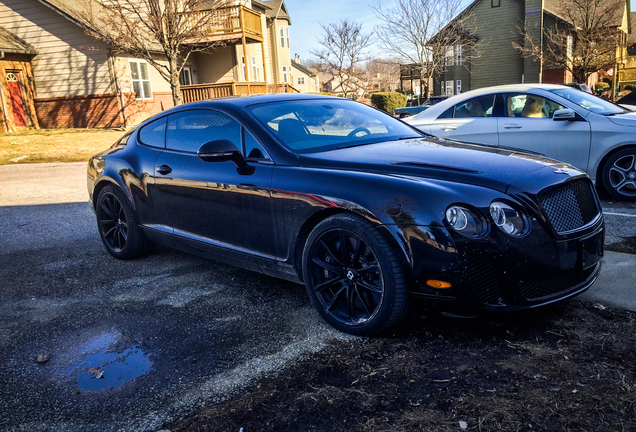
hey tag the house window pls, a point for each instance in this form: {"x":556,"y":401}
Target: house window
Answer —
{"x":450,"y":57}
{"x":449,"y":87}
{"x":287,"y":35}
{"x":282,"y":37}
{"x":256,"y":70}
{"x":140,"y":79}
{"x":243,"y":68}
{"x":301,"y":80}
{"x":285,"y":74}
{"x":185,"y":77}
{"x":458,"y":52}
{"x":495,"y":3}
{"x":459,"y":86}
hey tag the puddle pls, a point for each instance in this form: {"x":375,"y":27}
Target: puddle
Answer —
{"x":101,"y":368}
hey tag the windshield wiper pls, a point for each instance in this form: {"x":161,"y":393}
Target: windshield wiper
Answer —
{"x":613,"y":114}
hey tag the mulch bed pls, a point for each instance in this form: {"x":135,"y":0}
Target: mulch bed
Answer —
{"x":567,"y":368}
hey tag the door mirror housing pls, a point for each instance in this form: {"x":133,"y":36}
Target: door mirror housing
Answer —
{"x":222,"y":151}
{"x":565,"y":114}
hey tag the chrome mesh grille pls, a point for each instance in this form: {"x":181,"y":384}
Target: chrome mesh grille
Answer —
{"x":570,"y":206}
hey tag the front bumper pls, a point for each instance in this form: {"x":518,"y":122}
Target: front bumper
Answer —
{"x":501,"y":273}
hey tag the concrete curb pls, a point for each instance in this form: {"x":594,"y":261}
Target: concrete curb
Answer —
{"x":616,"y":285}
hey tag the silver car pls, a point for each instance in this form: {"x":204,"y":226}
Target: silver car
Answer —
{"x":560,"y":122}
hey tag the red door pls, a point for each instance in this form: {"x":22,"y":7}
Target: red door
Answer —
{"x":19,"y":115}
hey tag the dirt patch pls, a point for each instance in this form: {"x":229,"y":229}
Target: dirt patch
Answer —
{"x":567,"y":368}
{"x":55,"y":145}
{"x":628,"y":245}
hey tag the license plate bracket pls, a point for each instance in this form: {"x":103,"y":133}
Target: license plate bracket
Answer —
{"x":590,"y":250}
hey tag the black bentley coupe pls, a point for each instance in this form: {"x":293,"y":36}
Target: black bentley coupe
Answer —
{"x":364,"y":210}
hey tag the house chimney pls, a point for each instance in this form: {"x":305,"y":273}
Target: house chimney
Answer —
{"x":297,"y":59}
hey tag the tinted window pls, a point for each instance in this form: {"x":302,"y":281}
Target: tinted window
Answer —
{"x":189,"y":130}
{"x":253,"y":149}
{"x":154,"y":133}
{"x":529,"y":106}
{"x":476,"y":107}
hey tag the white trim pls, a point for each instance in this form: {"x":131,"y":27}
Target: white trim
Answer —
{"x":140,"y":79}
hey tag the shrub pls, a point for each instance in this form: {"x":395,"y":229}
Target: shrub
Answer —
{"x":600,"y":86}
{"x":630,"y":87}
{"x":388,"y":101}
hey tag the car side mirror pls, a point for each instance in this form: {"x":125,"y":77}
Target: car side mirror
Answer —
{"x":222,"y":151}
{"x":565,"y":114}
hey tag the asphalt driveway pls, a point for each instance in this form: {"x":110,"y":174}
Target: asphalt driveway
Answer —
{"x":136,"y":345}
{"x":131,"y":345}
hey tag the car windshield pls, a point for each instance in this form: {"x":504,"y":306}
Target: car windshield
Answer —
{"x":315,"y":125}
{"x":588,"y":101}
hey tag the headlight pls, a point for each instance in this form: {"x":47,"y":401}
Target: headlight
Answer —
{"x":467,"y":222}
{"x":509,"y":220}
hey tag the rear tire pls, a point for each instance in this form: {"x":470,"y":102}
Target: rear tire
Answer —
{"x":619,"y":175}
{"x":118,"y":225}
{"x":405,"y":115}
{"x":353,"y":276}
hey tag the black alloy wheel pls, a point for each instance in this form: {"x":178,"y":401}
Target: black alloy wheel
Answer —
{"x":118,"y":226}
{"x":619,"y":175}
{"x":353,"y":276}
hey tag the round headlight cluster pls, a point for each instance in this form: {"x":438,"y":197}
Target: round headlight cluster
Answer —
{"x":509,"y":220}
{"x":465,"y":221}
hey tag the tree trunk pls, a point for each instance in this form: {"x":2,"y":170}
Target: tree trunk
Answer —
{"x":175,"y":85}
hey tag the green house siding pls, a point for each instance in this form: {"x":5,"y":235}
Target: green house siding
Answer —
{"x":497,"y":61}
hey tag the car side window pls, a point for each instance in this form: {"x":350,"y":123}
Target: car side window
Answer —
{"x":252,"y":148}
{"x":529,"y":106}
{"x":189,"y":130}
{"x":154,"y":133}
{"x":481,"y":106}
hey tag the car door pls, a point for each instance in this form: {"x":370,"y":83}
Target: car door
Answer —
{"x":211,"y":202}
{"x":471,"y":121}
{"x":527,"y":124}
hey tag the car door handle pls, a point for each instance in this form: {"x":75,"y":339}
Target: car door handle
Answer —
{"x":449,"y":128}
{"x":164,"y":169}
{"x":512,"y":126}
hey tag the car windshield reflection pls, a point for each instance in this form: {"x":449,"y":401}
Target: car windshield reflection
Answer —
{"x":588,"y":101}
{"x":309,"y":126}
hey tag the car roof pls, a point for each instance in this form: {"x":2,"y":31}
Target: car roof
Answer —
{"x":244,"y":101}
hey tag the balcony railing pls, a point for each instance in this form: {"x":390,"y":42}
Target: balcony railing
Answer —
{"x":281,"y":88}
{"x":226,"y":23}
{"x":198,"y":92}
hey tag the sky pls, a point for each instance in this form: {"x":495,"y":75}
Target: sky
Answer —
{"x":306,"y":17}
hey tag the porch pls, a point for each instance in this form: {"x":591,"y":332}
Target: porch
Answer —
{"x":199,"y":92}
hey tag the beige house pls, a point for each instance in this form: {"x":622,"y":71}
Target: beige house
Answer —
{"x":305,"y":80}
{"x":79,"y":81}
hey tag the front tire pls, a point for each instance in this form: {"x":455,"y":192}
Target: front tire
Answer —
{"x":118,"y":226}
{"x":353,"y":276}
{"x":619,"y":175}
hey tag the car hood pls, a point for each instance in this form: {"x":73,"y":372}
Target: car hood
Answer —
{"x":627,"y":119}
{"x":434,"y":158}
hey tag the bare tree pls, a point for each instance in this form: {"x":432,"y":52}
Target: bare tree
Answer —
{"x":344,"y":48}
{"x":162,"y":32}
{"x":583,"y":39}
{"x":419,"y":31}
{"x":385,"y":72}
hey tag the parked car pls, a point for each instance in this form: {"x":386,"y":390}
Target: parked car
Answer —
{"x":575,"y":127}
{"x":411,"y":110}
{"x":366,"y":211}
{"x":628,"y":101}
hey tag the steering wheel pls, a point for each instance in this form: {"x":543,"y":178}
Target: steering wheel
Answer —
{"x":358,"y":130}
